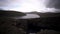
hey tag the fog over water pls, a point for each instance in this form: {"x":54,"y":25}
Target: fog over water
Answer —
{"x":27,"y":5}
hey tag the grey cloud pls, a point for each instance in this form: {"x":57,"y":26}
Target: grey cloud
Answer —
{"x":4,"y":2}
{"x":54,"y":4}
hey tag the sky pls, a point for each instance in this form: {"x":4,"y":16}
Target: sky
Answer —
{"x":54,"y":4}
{"x":28,"y":5}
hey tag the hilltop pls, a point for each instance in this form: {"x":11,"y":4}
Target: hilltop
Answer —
{"x":9,"y":13}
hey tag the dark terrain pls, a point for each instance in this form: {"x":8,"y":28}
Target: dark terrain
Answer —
{"x":47,"y":21}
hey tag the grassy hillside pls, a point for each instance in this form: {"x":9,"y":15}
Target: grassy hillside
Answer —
{"x":9,"y":13}
{"x":7,"y":25}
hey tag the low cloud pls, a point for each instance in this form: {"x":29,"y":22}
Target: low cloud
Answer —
{"x":54,"y":4}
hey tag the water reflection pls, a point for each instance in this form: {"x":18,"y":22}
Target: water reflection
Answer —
{"x":28,"y":16}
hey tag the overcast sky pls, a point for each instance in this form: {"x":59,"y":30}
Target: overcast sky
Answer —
{"x":54,"y":4}
{"x":29,"y":5}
